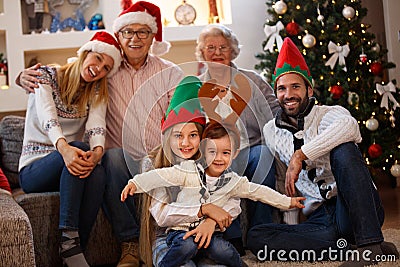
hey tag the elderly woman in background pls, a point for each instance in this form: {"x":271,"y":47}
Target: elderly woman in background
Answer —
{"x":218,"y":46}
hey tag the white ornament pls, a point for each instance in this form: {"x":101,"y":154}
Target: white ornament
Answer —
{"x":395,"y":170}
{"x":320,"y":18}
{"x":272,"y":33}
{"x":386,"y":92}
{"x":280,"y":7}
{"x":339,"y":52}
{"x":372,"y":124}
{"x":353,"y":98}
{"x":376,"y":48}
{"x":308,"y":40}
{"x":348,"y":12}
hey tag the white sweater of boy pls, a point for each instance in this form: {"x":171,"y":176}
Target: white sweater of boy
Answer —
{"x":186,"y":175}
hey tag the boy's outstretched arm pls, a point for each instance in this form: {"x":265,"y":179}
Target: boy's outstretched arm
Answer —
{"x":295,"y":202}
{"x":130,"y":189}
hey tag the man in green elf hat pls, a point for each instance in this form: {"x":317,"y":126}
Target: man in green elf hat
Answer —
{"x":318,"y":144}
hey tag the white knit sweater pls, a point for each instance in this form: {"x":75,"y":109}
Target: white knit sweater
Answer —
{"x":48,"y":119}
{"x":325,"y":127}
{"x":186,"y":176}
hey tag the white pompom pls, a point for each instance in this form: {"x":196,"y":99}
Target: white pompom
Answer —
{"x":160,"y":48}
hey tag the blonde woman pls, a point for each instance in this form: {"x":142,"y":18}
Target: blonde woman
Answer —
{"x":69,"y":103}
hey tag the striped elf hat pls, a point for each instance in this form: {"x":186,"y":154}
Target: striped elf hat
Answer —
{"x":185,"y":105}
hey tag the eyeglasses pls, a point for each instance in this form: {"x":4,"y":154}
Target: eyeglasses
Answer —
{"x":222,"y":48}
{"x":141,"y":34}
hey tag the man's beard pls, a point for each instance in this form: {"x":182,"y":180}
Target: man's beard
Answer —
{"x":303,"y":102}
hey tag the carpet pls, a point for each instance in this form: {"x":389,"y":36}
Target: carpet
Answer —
{"x":391,"y":235}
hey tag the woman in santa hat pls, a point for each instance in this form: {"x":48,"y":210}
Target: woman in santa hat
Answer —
{"x":69,"y":104}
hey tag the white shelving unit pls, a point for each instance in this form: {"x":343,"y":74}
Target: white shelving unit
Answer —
{"x":20,"y":48}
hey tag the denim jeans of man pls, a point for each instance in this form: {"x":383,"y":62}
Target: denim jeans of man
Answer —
{"x":356,"y":214}
{"x":120,"y":167}
{"x":182,"y":251}
{"x":80,"y":199}
{"x":257,"y":164}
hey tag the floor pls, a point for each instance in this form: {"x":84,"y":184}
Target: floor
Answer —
{"x":391,"y":202}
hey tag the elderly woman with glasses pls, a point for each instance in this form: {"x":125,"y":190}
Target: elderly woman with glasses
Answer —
{"x":217,"y":47}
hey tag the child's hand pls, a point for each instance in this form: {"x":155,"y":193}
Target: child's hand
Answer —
{"x":130,"y":189}
{"x":295,"y":202}
{"x":202,"y":233}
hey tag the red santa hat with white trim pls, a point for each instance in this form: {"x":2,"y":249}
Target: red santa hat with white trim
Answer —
{"x":104,"y":42}
{"x":143,"y":12}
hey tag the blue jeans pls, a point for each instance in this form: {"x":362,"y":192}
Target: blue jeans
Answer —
{"x":80,"y":199}
{"x":356,"y":214}
{"x":257,"y":164}
{"x":160,"y":249}
{"x":120,"y":167}
{"x":182,"y":251}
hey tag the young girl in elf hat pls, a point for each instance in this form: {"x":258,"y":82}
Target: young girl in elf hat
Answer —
{"x":182,"y":128}
{"x":70,"y":102}
{"x":215,"y":184}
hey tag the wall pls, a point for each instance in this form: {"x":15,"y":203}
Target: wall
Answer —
{"x":248,"y":19}
{"x":247,"y":16}
{"x":392,"y":25}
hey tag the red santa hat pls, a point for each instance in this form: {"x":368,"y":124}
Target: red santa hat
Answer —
{"x":103,"y":42}
{"x":143,"y":12}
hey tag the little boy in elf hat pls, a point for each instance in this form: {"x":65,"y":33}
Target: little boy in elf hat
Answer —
{"x":210,"y":182}
{"x":318,"y":144}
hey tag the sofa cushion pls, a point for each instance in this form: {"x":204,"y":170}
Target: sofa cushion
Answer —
{"x":16,"y":241}
{"x":11,"y":137}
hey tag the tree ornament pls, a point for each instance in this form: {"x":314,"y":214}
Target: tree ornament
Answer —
{"x":348,"y":12}
{"x":272,"y":33}
{"x":395,"y":170}
{"x":375,"y":151}
{"x":320,"y":18}
{"x":376,"y":48}
{"x":292,"y":28}
{"x":392,"y":119}
{"x":372,"y":124}
{"x":96,"y":22}
{"x":339,"y":52}
{"x":336,"y":91}
{"x":376,"y":68}
{"x":386,"y":92}
{"x":363,"y":56}
{"x":353,"y":99}
{"x":280,"y":7}
{"x":309,"y":41}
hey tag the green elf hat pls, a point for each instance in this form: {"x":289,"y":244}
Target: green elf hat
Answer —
{"x":290,"y":60}
{"x":185,"y":105}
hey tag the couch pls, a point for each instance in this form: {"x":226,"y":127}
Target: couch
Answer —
{"x":29,"y":233}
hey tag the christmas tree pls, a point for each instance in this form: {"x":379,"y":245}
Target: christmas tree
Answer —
{"x":348,"y":67}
